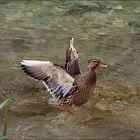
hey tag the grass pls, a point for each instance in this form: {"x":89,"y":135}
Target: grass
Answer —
{"x":20,"y":130}
{"x":4,"y":108}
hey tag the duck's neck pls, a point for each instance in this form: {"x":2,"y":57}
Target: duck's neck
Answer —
{"x":76,"y":66}
{"x":90,"y":76}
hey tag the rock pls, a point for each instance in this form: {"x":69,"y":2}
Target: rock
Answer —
{"x":118,"y":7}
{"x":134,"y":24}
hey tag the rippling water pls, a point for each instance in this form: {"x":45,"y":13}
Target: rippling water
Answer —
{"x":108,"y":30}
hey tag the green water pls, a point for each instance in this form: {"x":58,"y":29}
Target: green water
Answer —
{"x":108,"y":30}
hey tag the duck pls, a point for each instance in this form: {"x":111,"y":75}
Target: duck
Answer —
{"x":67,"y":85}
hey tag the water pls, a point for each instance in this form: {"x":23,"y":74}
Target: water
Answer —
{"x":41,"y":30}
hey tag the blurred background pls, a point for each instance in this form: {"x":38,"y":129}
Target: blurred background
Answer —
{"x":41,"y":30}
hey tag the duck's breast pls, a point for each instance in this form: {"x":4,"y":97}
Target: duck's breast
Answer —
{"x":85,"y":88}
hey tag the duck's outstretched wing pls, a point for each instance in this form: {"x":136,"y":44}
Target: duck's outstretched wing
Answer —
{"x":72,"y":62}
{"x":55,"y":78}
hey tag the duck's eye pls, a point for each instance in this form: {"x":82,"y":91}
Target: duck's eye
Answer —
{"x":97,"y":64}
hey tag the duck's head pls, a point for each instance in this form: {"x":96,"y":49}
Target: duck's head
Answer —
{"x":94,"y":63}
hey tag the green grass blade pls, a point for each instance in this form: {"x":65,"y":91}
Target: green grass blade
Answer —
{"x":4,"y":103}
{"x":5,"y":109}
{"x":29,"y":127}
{"x":3,"y":137}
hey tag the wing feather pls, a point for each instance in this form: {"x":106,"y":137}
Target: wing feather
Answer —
{"x":55,"y":78}
{"x":72,"y":60}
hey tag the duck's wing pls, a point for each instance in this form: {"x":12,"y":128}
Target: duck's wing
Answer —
{"x":55,"y":78}
{"x":72,"y":60}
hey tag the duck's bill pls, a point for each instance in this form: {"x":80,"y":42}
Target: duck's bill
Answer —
{"x":103,"y":65}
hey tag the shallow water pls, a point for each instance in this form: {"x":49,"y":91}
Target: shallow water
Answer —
{"x":41,"y":30}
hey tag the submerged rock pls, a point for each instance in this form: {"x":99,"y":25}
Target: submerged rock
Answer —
{"x":135,"y":23}
{"x":81,"y":9}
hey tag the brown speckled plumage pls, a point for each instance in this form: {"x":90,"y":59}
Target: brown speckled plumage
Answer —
{"x":68,"y":86}
{"x":83,"y":88}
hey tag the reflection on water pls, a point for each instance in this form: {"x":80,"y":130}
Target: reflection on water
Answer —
{"x":41,"y":30}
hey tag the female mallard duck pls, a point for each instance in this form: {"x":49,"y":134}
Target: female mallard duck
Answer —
{"x":67,"y":85}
